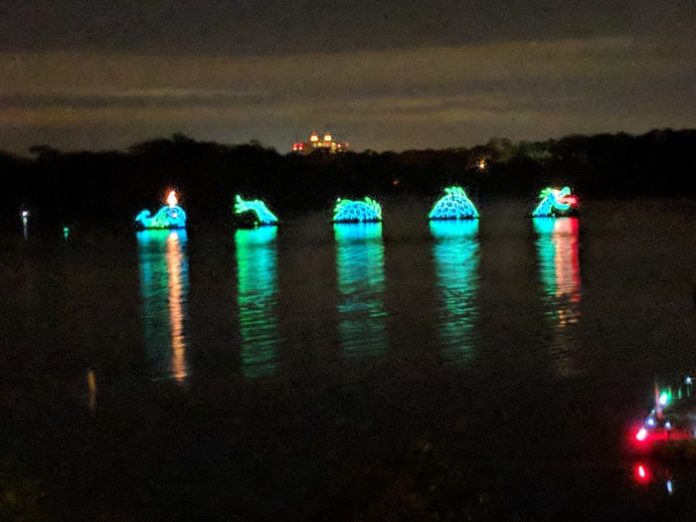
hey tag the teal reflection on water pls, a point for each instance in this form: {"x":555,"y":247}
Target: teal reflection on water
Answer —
{"x":361,"y":282}
{"x":164,"y":287}
{"x":456,"y":255}
{"x":558,"y":255}
{"x":257,"y":295}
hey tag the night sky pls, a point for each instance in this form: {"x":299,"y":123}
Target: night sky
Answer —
{"x":390,"y":74}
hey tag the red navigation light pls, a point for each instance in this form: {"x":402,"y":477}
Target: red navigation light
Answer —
{"x":642,"y":474}
{"x":642,"y":435}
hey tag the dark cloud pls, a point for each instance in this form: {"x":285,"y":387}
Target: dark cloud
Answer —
{"x":282,"y":27}
{"x":382,"y":74}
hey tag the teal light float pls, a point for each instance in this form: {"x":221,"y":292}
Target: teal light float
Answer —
{"x":556,"y":202}
{"x":355,"y":211}
{"x":455,"y":204}
{"x":169,"y":216}
{"x":256,"y":209}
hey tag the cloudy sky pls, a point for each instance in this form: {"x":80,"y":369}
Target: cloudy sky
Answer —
{"x":383,"y":74}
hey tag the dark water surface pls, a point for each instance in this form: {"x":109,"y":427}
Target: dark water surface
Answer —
{"x":402,"y":371}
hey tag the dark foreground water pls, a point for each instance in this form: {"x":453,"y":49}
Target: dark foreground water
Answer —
{"x":402,"y":371}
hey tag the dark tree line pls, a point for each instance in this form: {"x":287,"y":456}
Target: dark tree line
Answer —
{"x":112,"y":186}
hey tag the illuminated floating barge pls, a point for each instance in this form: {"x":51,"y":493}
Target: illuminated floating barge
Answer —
{"x":356,"y":211}
{"x":556,"y":202}
{"x":454,"y":205}
{"x":253,"y":212}
{"x":169,"y":216}
{"x":671,"y":422}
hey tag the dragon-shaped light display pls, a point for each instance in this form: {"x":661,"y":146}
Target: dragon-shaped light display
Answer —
{"x":263,"y":216}
{"x":353,"y":211}
{"x":169,"y":216}
{"x":455,"y":204}
{"x":555,"y":202}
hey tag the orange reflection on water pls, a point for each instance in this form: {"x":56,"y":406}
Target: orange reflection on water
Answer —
{"x":164,"y":288}
{"x":176,"y":313}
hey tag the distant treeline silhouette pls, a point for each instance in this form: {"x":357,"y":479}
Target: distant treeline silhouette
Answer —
{"x":113,"y":186}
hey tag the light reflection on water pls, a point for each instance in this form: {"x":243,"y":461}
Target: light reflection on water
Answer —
{"x":361,"y":282}
{"x":456,"y":254}
{"x":559,"y":265}
{"x":257,"y":295}
{"x":164,"y":286}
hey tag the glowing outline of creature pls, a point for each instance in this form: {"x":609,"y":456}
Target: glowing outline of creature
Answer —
{"x":455,"y":204}
{"x":354,"y":211}
{"x":264,"y":216}
{"x":554,"y":202}
{"x":169,"y":216}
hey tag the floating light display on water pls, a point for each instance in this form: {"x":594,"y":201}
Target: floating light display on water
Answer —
{"x":353,"y":211}
{"x":455,"y":204}
{"x":258,"y":208}
{"x":169,"y":216}
{"x":555,"y":202}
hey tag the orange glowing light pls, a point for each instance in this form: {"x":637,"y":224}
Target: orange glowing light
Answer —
{"x":171,"y":199}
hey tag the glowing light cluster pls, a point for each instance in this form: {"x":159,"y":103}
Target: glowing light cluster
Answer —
{"x":353,"y":211}
{"x":666,"y":422}
{"x":315,"y":142}
{"x":555,"y":202}
{"x":257,"y":207}
{"x":169,"y":216}
{"x":455,"y":204}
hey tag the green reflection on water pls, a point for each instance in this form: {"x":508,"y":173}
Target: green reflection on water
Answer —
{"x":164,"y":287}
{"x":456,"y":254}
{"x":559,"y":269}
{"x":257,"y":294}
{"x":360,"y":270}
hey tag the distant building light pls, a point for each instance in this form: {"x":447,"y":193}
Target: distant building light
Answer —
{"x":315,"y":142}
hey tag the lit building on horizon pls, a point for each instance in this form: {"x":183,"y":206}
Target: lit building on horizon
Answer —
{"x":315,"y":142}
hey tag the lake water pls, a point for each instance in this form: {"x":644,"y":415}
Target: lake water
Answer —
{"x":402,"y":370}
